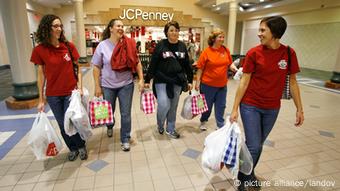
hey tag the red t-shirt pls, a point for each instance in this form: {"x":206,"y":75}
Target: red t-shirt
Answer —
{"x":214,"y":64}
{"x":269,"y":69}
{"x":58,"y":68}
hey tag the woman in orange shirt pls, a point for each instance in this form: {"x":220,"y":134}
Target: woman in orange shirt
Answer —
{"x":211,"y":77}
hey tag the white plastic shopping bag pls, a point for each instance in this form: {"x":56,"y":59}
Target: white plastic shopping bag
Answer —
{"x":246,"y":160}
{"x":186,"y":109}
{"x":214,"y":149}
{"x":76,"y":118}
{"x":232,"y":148}
{"x":43,"y":139}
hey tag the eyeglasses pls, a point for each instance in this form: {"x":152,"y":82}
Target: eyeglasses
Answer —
{"x":57,"y":26}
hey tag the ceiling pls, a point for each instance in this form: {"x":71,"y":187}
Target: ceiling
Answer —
{"x":245,"y":6}
{"x":53,"y":3}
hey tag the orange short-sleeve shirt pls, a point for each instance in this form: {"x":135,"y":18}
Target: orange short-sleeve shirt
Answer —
{"x":214,"y":64}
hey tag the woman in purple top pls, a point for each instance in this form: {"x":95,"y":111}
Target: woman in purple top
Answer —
{"x":112,"y":84}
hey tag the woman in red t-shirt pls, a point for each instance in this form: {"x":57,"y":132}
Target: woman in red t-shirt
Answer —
{"x":260,"y":90}
{"x":54,"y":56}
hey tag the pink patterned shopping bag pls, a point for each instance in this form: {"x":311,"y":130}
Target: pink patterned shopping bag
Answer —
{"x":199,"y":104}
{"x":147,"y":102}
{"x":100,"y":112}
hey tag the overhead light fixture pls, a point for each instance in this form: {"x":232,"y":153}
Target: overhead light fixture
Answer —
{"x":218,"y":8}
{"x":213,"y":5}
{"x":267,"y":6}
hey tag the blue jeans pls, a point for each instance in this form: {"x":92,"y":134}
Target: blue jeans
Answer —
{"x":59,"y":105}
{"x":124,"y":95}
{"x":257,"y":125}
{"x":217,"y":97}
{"x":167,"y":107}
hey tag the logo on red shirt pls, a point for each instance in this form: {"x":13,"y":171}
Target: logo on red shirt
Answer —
{"x":67,"y":57}
{"x":282,"y":64}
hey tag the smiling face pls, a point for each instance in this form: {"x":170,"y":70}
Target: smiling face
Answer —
{"x":219,"y":40}
{"x":173,"y":34}
{"x":57,"y":28}
{"x":117,"y":30}
{"x":265,"y":35}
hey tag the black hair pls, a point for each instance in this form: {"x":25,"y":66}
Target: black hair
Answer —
{"x":276,"y":24}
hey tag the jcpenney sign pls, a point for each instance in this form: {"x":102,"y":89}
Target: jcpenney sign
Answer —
{"x":134,"y":14}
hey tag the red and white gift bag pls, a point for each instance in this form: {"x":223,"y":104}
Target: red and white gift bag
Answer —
{"x":147,"y":102}
{"x":100,"y":112}
{"x":199,"y":104}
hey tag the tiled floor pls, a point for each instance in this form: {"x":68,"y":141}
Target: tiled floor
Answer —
{"x":309,"y":155}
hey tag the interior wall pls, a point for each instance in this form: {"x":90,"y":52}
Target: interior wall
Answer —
{"x":4,"y":60}
{"x":314,"y":35}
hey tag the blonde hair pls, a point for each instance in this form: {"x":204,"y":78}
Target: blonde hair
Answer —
{"x":213,"y":35}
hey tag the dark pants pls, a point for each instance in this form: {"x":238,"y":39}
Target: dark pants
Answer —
{"x":59,"y":105}
{"x":257,"y":125}
{"x":217,"y":97}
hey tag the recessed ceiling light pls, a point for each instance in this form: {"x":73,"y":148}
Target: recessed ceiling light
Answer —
{"x":213,"y":5}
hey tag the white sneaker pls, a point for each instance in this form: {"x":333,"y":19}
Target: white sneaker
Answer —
{"x":125,"y":147}
{"x":203,"y":126}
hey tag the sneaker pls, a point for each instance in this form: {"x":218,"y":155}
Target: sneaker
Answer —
{"x":160,"y":130}
{"x":72,"y":156}
{"x":83,"y":153}
{"x":173,"y":134}
{"x":203,"y":126}
{"x":109,"y":132}
{"x":125,"y":147}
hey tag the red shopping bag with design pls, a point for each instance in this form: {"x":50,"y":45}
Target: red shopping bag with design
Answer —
{"x":100,"y":112}
{"x":147,"y":101}
{"x":199,"y":104}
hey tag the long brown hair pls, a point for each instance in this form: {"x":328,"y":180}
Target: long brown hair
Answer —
{"x":43,"y":34}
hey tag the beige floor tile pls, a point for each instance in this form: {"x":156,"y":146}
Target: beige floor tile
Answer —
{"x":84,"y":183}
{"x":192,"y":168}
{"x":141,"y":176}
{"x":110,"y":188}
{"x":36,"y":166}
{"x":181,"y":182}
{"x":29,"y":177}
{"x":177,"y":170}
{"x":10,"y":180}
{"x":123,"y":178}
{"x":64,"y":185}
{"x":6,"y":188}
{"x":84,"y":171}
{"x":46,"y":186}
{"x":103,"y":181}
{"x":163,"y":185}
{"x":50,"y":175}
{"x":159,"y":173}
{"x":123,"y":167}
{"x":67,"y":173}
{"x":144,"y":186}
{"x":199,"y":179}
{"x":23,"y":187}
{"x":208,"y":187}
{"x":107,"y":170}
{"x":4,"y":169}
{"x":123,"y":187}
{"x":18,"y":168}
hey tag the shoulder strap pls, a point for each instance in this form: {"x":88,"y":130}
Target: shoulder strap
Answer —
{"x":75,"y":67}
{"x":289,"y":57}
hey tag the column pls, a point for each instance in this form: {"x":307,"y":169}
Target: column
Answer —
{"x":80,"y":30}
{"x":233,"y":7}
{"x":16,"y":28}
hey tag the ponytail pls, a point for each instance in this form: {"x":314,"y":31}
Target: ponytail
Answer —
{"x":106,"y":34}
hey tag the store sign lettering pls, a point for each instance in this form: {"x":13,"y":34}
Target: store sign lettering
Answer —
{"x":134,"y":14}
